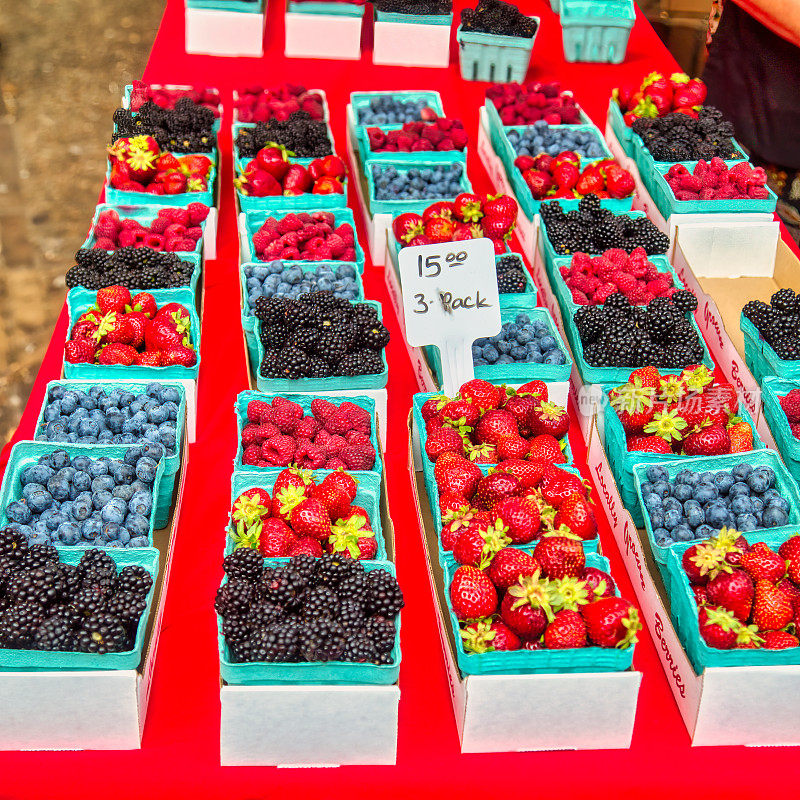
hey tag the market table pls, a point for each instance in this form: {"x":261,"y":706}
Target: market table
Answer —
{"x":180,"y":751}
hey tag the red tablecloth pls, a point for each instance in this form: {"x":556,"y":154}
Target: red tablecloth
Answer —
{"x":180,"y":752}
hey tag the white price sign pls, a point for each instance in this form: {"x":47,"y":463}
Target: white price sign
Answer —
{"x":450,"y":298}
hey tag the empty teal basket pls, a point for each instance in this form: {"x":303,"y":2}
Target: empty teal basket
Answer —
{"x":489,"y":57}
{"x":596,"y":31}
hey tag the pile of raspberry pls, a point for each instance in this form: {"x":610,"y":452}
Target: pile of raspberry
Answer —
{"x":305,"y":237}
{"x":442,"y":135}
{"x":593,"y":279}
{"x":174,"y":230}
{"x":279,"y":433}
{"x":712,"y":180}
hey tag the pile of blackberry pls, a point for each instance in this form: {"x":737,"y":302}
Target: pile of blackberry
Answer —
{"x":414,"y":6}
{"x":660,"y":334}
{"x":678,"y":137}
{"x":499,"y":18}
{"x":319,"y":335}
{"x":592,"y":229}
{"x":307,"y":609}
{"x":778,"y":322}
{"x":510,"y":275}
{"x":87,"y":607}
{"x":300,"y":134}
{"x":186,"y":128}
{"x":134,"y":267}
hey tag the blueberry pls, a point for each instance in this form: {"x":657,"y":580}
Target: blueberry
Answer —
{"x":68,"y":534}
{"x":82,"y":506}
{"x":682,"y":533}
{"x":652,"y":500}
{"x":51,"y":518}
{"x":761,"y":479}
{"x":110,"y":531}
{"x":688,"y":476}
{"x":114,"y":511}
{"x":115,"y":419}
{"x":38,"y":536}
{"x":58,"y":488}
{"x":774,"y":517}
{"x":723,"y":481}
{"x":102,"y":483}
{"x":746,"y":522}
{"x":38,"y":473}
{"x":716,"y":515}
{"x":99,"y":499}
{"x":662,"y":488}
{"x":656,"y":473}
{"x":739,"y":488}
{"x":40,"y":501}
{"x":705,"y":492}
{"x":672,"y":504}
{"x":662,"y":537}
{"x":490,"y":354}
{"x":693,"y":511}
{"x":707,"y":477}
{"x":555,"y":356}
{"x":741,"y":504}
{"x":672,"y":518}
{"x":137,"y":524}
{"x":757,"y":504}
{"x":97,"y":467}
{"x":656,"y":516}
{"x":141,"y":503}
{"x":780,"y":503}
{"x":682,"y":492}
{"x":132,"y":455}
{"x":19,"y":511}
{"x":704,"y":532}
{"x":123,"y":473}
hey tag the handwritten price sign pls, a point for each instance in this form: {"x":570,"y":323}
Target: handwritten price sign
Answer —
{"x":450,"y":299}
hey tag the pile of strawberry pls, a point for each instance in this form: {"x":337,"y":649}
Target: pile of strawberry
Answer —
{"x":525,"y":103}
{"x":279,"y":433}
{"x":689,"y":414}
{"x":260,"y":104}
{"x":174,"y":230}
{"x":560,"y":176}
{"x":131,"y":330}
{"x":547,"y":600}
{"x":271,"y":173}
{"x":165,"y":97}
{"x":443,"y":134}
{"x":747,"y":595}
{"x":593,"y":279}
{"x":790,"y":403}
{"x":713,"y":180}
{"x":304,"y":517}
{"x":305,"y":237}
{"x":659,"y":95}
{"x":469,"y":216}
{"x":487,"y":424}
{"x":139,"y":165}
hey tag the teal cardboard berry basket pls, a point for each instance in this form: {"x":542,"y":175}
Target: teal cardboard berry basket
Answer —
{"x":536,"y":662}
{"x":596,"y":31}
{"x":368,"y":496}
{"x":253,"y":221}
{"x":397,"y":206}
{"x":490,"y":57}
{"x":249,"y":321}
{"x":647,"y":164}
{"x":80,"y":300}
{"x":47,"y":660}
{"x":245,"y":398}
{"x":656,"y":184}
{"x":315,"y":672}
{"x":240,"y":161}
{"x":622,"y":461}
{"x":128,"y":91}
{"x":784,"y":484}
{"x":331,"y":9}
{"x":172,"y":463}
{"x":761,"y":359}
{"x":415,"y":19}
{"x":622,"y":131}
{"x":243,"y":6}
{"x":308,"y":201}
{"x":684,"y":613}
{"x":772,"y":389}
{"x":362,"y":100}
{"x":368,"y":155}
{"x":520,"y":372}
{"x":26,"y":454}
{"x":330,"y":384}
{"x":120,"y":197}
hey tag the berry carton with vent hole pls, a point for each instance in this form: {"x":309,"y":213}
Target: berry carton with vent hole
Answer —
{"x":776,"y":410}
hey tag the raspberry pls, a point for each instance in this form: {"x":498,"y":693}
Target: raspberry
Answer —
{"x":335,"y":463}
{"x":359,"y":417}
{"x":195,"y":234}
{"x":251,"y":455}
{"x":334,"y":445}
{"x":249,"y":435}
{"x":603,"y":293}
{"x":306,"y":428}
{"x":197,"y":213}
{"x":104,"y":243}
{"x":184,"y":245}
{"x":279,"y":450}
{"x":683,"y":195}
{"x":357,"y":437}
{"x":624,"y":281}
{"x":261,"y":241}
{"x":322,"y":408}
{"x":618,"y":256}
{"x":339,"y":422}
{"x":291,"y":222}
{"x":359,"y":456}
{"x":266,"y":430}
{"x":689,"y":183}
{"x":579,"y":298}
{"x":310,"y":456}
{"x":758,"y":192}
{"x":259,"y":411}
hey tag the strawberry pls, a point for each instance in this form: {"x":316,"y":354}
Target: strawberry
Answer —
{"x":649,"y":444}
{"x":335,"y":499}
{"x":440,"y":229}
{"x":459,"y":414}
{"x":569,"y":593}
{"x":484,"y":636}
{"x":549,"y":418}
{"x":460,"y":478}
{"x":790,"y":549}
{"x":522,"y":406}
{"x":520,"y":517}
{"x":347,"y":483}
{"x":703,"y":561}
{"x":503,"y":207}
{"x":298,"y":478}
{"x":560,"y":555}
{"x":557,"y":485}
{"x":741,"y":435}
{"x":567,"y":630}
{"x":149,"y":358}
{"x":285,"y":500}
{"x":772,"y":608}
{"x":477,"y":545}
{"x":432,"y":406}
{"x":619,"y":182}
{"x":137,"y":323}
{"x":611,"y":622}
{"x":442,"y":441}
{"x":472,"y":594}
{"x":482,"y":394}
{"x":458,"y":522}
{"x":529,"y":473}
{"x":779,"y":640}
{"x":468,"y":207}
{"x":116,"y":353}
{"x":509,"y":565}
{"x":576,"y":515}
{"x":79,"y":351}
{"x":514,"y":448}
{"x":494,"y":488}
{"x":482,"y":453}
{"x":145,"y":303}
{"x":307,"y":546}
{"x":634,"y":404}
{"x":710,"y":440}
{"x":668,"y":425}
{"x":251,"y":506}
{"x":353,"y":538}
{"x":598,"y":583}
{"x":310,"y":517}
{"x":276,"y":538}
{"x":525,"y":607}
{"x":733,"y":591}
{"x":495,"y":425}
{"x":718,"y":627}
{"x":720,"y":401}
{"x":536,"y":388}
{"x":547,"y":448}
{"x":760,"y":562}
{"x":113,"y":298}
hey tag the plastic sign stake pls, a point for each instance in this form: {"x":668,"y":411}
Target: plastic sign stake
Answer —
{"x":450,"y":298}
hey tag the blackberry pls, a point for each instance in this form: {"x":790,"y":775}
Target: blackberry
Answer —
{"x":375,"y":337}
{"x":292,"y":363}
{"x":233,"y":597}
{"x":71,"y":576}
{"x":237,"y":631}
{"x":354,"y":586}
{"x":318,"y":367}
{"x":8,"y":566}
{"x":304,"y":136}
{"x":360,"y":362}
{"x":275,"y":642}
{"x":303,"y":338}
{"x":269,"y":364}
{"x":385,"y":658}
{"x":102,"y":633}
{"x":333,"y":569}
{"x":321,"y":601}
{"x":87,"y":602}
{"x":785,"y":301}
{"x":511,"y":281}
{"x":274,"y":335}
{"x":384,"y":596}
{"x":185,"y":128}
{"x":359,"y":649}
{"x":332,"y":345}
{"x":281,"y":586}
{"x":55,"y":633}
{"x":97,"y":559}
{"x":321,"y":639}
{"x":304,"y":566}
{"x":12,"y":543}
{"x":243,"y":562}
{"x":134,"y":578}
{"x":270,"y":309}
{"x":364,"y":315}
{"x":18,"y":625}
{"x":263,"y":612}
{"x":619,"y":302}
{"x":684,"y":301}
{"x":381,"y":632}
{"x":37,"y":555}
{"x":128,"y":607}
{"x":351,"y":615}
{"x":100,"y":578}
{"x":139,"y":267}
{"x":43,"y":585}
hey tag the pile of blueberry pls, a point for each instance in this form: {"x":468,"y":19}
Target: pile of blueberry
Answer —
{"x":520,"y":341}
{"x":697,"y":505}
{"x":116,"y":417}
{"x":282,"y":279}
{"x":541,"y":138}
{"x":427,"y":183}
{"x":384,"y":109}
{"x":80,"y":500}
